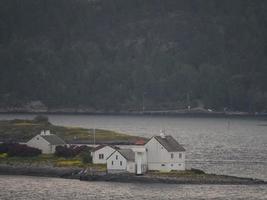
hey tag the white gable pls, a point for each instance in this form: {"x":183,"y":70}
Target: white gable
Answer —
{"x":40,"y":143}
{"x":116,"y":162}
{"x":100,"y":156}
{"x":158,"y":158}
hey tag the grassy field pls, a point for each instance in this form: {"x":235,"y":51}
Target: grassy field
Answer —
{"x":50,"y":160}
{"x":23,"y":130}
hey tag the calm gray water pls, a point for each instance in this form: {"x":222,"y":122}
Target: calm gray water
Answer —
{"x":236,"y":146}
{"x":33,"y":188}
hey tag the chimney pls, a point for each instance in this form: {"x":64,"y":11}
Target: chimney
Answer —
{"x":47,"y":132}
{"x":42,"y":132}
{"x":162,"y":134}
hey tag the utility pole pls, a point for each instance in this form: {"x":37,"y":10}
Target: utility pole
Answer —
{"x":143,"y":102}
{"x":94,"y":135}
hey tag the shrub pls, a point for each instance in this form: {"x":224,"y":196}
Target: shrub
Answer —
{"x":67,"y":152}
{"x":63,"y":151}
{"x":4,"y":147}
{"x":14,"y":149}
{"x":86,"y":157}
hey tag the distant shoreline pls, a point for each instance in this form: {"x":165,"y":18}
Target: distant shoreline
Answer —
{"x":72,"y":173}
{"x":142,"y":113}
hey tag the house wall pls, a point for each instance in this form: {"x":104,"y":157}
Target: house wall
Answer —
{"x":141,"y":161}
{"x":158,"y":158}
{"x":40,"y":143}
{"x":106,"y":151}
{"x":130,"y":167}
{"x":116,"y":167}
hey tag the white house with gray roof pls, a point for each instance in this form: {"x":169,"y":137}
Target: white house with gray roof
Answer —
{"x":121,"y":161}
{"x":101,"y":153}
{"x":46,"y":142}
{"x":161,"y":153}
{"x":164,"y":153}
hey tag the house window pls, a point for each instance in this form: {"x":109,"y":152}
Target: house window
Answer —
{"x":121,"y":163}
{"x":171,"y":155}
{"x":172,"y":165}
{"x":112,"y":162}
{"x":162,"y":165}
{"x":116,"y":157}
{"x":180,"y":155}
{"x":101,"y":156}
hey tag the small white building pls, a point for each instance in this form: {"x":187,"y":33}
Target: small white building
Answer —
{"x":101,"y":153}
{"x":46,"y":142}
{"x":164,"y":153}
{"x":121,"y":161}
{"x":140,"y":158}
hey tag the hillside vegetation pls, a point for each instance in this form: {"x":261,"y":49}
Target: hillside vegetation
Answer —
{"x":23,"y":130}
{"x":116,"y":55}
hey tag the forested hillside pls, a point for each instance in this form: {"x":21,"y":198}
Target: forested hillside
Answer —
{"x":129,"y":54}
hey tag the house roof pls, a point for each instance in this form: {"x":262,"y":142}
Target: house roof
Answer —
{"x":128,"y":154}
{"x":169,"y":143}
{"x":102,"y":146}
{"x":53,"y":139}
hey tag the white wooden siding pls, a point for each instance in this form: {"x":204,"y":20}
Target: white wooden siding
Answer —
{"x":106,"y":151}
{"x":40,"y":143}
{"x":158,"y":158}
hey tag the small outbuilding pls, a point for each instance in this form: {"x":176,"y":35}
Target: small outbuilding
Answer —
{"x":121,"y":161}
{"x":46,"y":142}
{"x":101,"y":153}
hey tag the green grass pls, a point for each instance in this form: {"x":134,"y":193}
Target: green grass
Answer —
{"x":3,"y":155}
{"x":50,"y":160}
{"x":23,"y":130}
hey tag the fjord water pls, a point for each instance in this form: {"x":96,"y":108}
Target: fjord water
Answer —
{"x":231,"y":146}
{"x":32,"y":188}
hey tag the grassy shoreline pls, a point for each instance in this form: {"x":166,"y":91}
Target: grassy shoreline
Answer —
{"x":52,"y":166}
{"x":188,"y":177}
{"x":21,"y":130}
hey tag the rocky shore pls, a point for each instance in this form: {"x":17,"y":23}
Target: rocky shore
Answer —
{"x":210,"y":179}
{"x":46,"y":171}
{"x":73,"y":173}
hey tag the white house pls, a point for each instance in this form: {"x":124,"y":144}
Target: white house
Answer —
{"x":164,"y":153}
{"x":101,"y":153}
{"x":46,"y":142}
{"x":121,"y":161}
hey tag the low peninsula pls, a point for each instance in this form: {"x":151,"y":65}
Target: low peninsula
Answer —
{"x":72,"y":170}
{"x":21,"y":130}
{"x":76,"y":163}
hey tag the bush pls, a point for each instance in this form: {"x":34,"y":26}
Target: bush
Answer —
{"x":63,"y":151}
{"x":14,"y":149}
{"x":86,"y":157}
{"x":72,"y":151}
{"x":4,"y":147}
